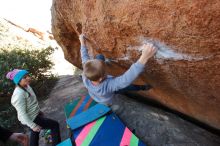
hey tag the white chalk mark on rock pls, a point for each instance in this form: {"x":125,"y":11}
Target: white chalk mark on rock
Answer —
{"x":165,"y":52}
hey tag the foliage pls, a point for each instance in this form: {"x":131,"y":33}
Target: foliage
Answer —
{"x":20,"y":50}
{"x":37,"y":62}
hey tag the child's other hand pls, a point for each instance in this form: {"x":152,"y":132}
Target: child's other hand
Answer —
{"x":81,"y":37}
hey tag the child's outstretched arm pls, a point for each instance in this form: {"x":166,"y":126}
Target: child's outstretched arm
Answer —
{"x":134,"y":71}
{"x":83,"y":49}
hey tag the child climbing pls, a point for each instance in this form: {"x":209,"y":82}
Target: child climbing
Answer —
{"x":102,"y":87}
{"x":25,"y":102}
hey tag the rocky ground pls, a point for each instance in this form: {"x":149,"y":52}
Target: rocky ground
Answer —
{"x":153,"y":125}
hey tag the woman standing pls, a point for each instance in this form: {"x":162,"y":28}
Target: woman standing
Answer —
{"x":25,"y":102}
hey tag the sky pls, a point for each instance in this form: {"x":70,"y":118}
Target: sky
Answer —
{"x":27,"y":13}
{"x":35,"y":14}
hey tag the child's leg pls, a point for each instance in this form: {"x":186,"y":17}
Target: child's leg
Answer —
{"x":34,"y":138}
{"x":133,"y":87}
{"x":46,"y":123}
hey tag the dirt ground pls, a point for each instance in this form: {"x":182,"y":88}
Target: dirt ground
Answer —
{"x":153,"y":125}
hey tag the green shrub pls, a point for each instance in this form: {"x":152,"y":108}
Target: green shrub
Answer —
{"x":37,"y":62}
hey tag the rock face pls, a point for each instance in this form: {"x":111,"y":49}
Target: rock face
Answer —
{"x":185,"y":72}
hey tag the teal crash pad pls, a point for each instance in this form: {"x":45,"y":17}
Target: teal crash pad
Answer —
{"x":88,"y":116}
{"x":66,"y":142}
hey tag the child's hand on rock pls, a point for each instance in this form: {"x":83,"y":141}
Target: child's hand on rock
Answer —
{"x":82,"y":39}
{"x":148,"y":50}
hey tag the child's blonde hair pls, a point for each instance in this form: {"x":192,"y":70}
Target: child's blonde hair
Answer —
{"x":94,"y":69}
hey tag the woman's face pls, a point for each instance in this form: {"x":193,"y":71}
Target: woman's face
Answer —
{"x":25,"y":81}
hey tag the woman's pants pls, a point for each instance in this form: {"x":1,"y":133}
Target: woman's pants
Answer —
{"x":45,"y":123}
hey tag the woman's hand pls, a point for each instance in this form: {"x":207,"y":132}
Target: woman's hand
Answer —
{"x":37,"y":129}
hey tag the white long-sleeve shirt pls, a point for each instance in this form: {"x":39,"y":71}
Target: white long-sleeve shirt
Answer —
{"x":26,"y":106}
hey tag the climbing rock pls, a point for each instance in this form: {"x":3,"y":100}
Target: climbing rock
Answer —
{"x":185,"y":72}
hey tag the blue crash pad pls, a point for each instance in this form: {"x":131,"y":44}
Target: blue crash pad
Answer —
{"x":88,"y":116}
{"x":66,"y":142}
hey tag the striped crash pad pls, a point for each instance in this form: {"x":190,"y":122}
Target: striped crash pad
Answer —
{"x":107,"y":130}
{"x":79,"y":105}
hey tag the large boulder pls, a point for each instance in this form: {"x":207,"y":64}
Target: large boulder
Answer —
{"x":185,"y":72}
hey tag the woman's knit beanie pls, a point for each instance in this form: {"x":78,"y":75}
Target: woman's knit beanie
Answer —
{"x":16,"y":75}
